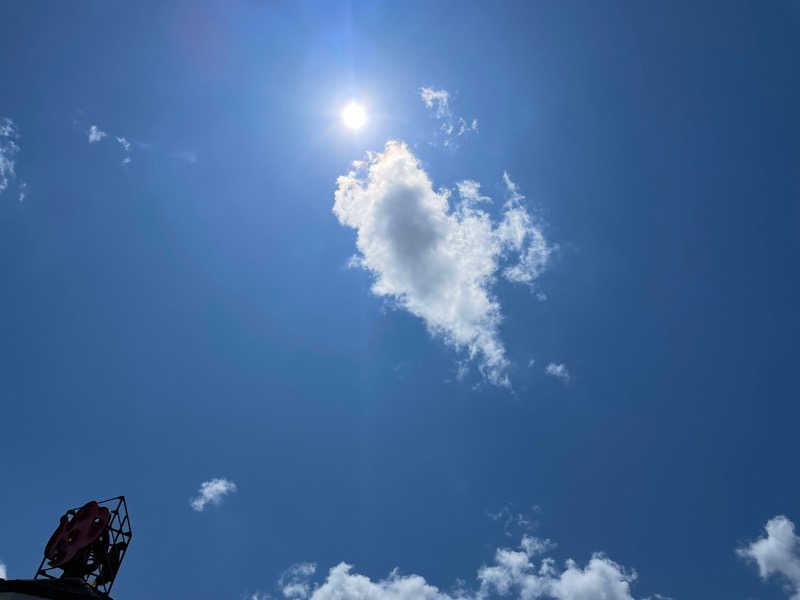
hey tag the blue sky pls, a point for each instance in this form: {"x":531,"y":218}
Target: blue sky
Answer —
{"x":540,"y":338}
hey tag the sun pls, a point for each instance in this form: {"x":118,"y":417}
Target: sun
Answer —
{"x":354,"y":116}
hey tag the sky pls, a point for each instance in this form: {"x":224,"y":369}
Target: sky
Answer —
{"x":527,"y":331}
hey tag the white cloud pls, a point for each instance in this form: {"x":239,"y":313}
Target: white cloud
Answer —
{"x":470,"y":193}
{"x":515,"y":523}
{"x":601,"y":578}
{"x":559,"y":371}
{"x":7,"y":128}
{"x":527,"y":239}
{"x":3,"y":572}
{"x":126,"y":146}
{"x":8,"y":152}
{"x":777,"y":554}
{"x":436,"y":260}
{"x":294,"y":582}
{"x":212,"y":492}
{"x":341,"y":584}
{"x":95,"y":135}
{"x":437,"y":100}
{"x":518,"y":573}
{"x":452,"y":126}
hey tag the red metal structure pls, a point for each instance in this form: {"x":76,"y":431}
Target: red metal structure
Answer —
{"x":89,"y":544}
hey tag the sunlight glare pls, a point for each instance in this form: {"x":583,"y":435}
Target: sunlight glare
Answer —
{"x":354,"y":116}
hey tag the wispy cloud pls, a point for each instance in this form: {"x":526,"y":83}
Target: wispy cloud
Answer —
{"x":437,"y":100}
{"x":8,"y":152}
{"x":9,"y":148}
{"x":451,"y":126}
{"x":186,"y":156}
{"x":126,"y":147}
{"x":518,"y":227}
{"x":521,"y":572}
{"x":558,"y":370}
{"x":130,"y":146}
{"x":435,"y":258}
{"x":212,"y":492}
{"x":777,"y":554}
{"x":95,"y":134}
{"x":516,"y":522}
{"x":294,"y":582}
{"x":3,"y":571}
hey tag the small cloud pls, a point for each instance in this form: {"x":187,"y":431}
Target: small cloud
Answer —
{"x":519,"y":233}
{"x":3,"y":571}
{"x":559,"y":371}
{"x":437,"y":100}
{"x":452,"y":126}
{"x":8,"y":152}
{"x":95,"y":134}
{"x":126,"y":147}
{"x":777,"y":554}
{"x":23,"y":190}
{"x":531,"y":362}
{"x":515,"y":522}
{"x":294,"y":582}
{"x":212,"y":492}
